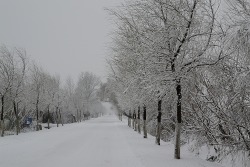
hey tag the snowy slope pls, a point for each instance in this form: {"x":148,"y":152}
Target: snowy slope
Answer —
{"x":101,"y":142}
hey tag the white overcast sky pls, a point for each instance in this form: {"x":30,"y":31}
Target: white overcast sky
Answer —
{"x":65,"y":37}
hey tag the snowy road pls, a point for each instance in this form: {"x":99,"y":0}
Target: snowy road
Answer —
{"x":101,"y":142}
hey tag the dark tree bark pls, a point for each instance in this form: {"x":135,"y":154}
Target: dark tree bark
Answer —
{"x":15,"y":107}
{"x":139,"y":120}
{"x":135,"y":121}
{"x":2,"y":119}
{"x":178,"y":117}
{"x":129,"y":119}
{"x":57,"y":117}
{"x":80,"y":115}
{"x":77,"y":115}
{"x":144,"y":122}
{"x":158,"y":130}
{"x":37,"y":113}
{"x":48,"y":117}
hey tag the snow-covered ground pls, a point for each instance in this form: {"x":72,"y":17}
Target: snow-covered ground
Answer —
{"x":100,"y":142}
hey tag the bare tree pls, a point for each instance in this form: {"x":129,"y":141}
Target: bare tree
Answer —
{"x":37,"y":87}
{"x":17,"y":88}
{"x":6,"y":80}
{"x":170,"y":39}
{"x":86,"y":91}
{"x":51,"y":88}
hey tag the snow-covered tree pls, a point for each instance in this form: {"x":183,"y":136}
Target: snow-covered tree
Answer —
{"x":37,"y":93}
{"x":158,"y":44}
{"x":17,"y":89}
{"x":6,"y":79}
{"x":85,"y":92}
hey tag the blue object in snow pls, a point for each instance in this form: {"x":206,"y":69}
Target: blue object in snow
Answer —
{"x":28,"y":121}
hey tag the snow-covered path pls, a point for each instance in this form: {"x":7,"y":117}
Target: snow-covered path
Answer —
{"x":101,"y":142}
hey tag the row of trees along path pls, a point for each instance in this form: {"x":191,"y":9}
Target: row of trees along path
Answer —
{"x":186,"y":56}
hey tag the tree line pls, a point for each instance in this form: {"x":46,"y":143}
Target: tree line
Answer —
{"x":28,"y":91}
{"x":184,"y":66}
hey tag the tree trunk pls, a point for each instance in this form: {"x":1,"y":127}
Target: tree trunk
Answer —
{"x":129,"y":119}
{"x":2,"y":119}
{"x":121,"y":116}
{"x":144,"y":122}
{"x":3,"y":127}
{"x":48,"y":118}
{"x":80,"y":116}
{"x":60,"y":117}
{"x":15,"y":107}
{"x":132,"y":120}
{"x":135,"y":122}
{"x":77,"y":116}
{"x":178,"y":123}
{"x":158,"y":130}
{"x":37,"y":115}
{"x":17,"y":125}
{"x":57,"y":117}
{"x":138,"y":120}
